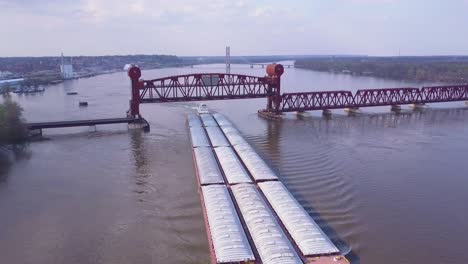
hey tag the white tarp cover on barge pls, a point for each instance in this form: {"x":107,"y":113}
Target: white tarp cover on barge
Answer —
{"x":217,"y":137}
{"x":233,"y":135}
{"x":270,"y":241}
{"x":255,"y":164}
{"x":194,"y":120}
{"x":232,"y":167}
{"x":208,"y":120}
{"x":230,"y":243}
{"x":199,"y":138}
{"x":222,"y":120}
{"x":308,"y":236}
{"x":208,"y":170}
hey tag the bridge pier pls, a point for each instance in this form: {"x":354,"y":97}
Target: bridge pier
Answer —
{"x":35,"y":132}
{"x":417,"y":106}
{"x":327,"y":113}
{"x":269,"y":115}
{"x":135,"y":73}
{"x":141,"y":124}
{"x":395,"y":108}
{"x":352,"y":110}
{"x":302,"y":113}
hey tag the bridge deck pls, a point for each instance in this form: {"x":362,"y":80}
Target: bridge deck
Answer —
{"x":78,"y":123}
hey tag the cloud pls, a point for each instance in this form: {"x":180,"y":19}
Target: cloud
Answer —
{"x":372,"y":1}
{"x":262,"y":12}
{"x":204,"y":27}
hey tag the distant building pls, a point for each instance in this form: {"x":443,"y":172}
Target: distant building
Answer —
{"x":11,"y":82}
{"x":66,"y":68}
{"x":5,"y":74}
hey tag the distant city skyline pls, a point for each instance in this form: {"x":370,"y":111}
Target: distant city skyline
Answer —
{"x":206,"y":27}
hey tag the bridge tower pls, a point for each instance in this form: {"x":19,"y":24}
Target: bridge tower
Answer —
{"x":274,"y":72}
{"x":228,"y":60}
{"x":135,"y":73}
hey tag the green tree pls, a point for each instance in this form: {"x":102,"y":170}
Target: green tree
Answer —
{"x":5,"y":89}
{"x":12,"y":128}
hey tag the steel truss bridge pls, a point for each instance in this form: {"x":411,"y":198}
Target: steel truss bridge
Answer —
{"x":325,"y":100}
{"x":221,"y":86}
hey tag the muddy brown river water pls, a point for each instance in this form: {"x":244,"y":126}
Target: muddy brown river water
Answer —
{"x":387,"y":188}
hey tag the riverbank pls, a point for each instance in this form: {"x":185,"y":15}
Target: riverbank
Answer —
{"x":452,"y":70}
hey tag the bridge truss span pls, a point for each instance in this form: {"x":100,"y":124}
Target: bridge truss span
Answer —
{"x":309,"y":101}
{"x":205,"y":86}
{"x":316,"y":100}
{"x":437,"y":94}
{"x":225,"y":86}
{"x":386,"y":96}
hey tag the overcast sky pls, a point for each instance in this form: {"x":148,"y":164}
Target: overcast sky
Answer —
{"x":205,"y":27}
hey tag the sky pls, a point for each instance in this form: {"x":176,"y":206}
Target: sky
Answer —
{"x":249,"y":27}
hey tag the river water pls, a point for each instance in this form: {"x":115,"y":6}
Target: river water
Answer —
{"x":387,"y":188}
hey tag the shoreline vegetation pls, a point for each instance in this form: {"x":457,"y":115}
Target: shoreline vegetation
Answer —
{"x":446,"y":69}
{"x":13,"y":131}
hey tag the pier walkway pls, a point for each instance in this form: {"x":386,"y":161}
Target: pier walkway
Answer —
{"x":89,"y":122}
{"x":250,"y":215}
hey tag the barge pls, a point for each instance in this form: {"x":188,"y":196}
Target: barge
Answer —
{"x":250,"y":216}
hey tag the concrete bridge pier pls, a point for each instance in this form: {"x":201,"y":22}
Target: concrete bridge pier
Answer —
{"x":352,"y":110}
{"x":140,"y":124}
{"x":302,"y":113}
{"x":417,"y":106}
{"x":396,"y":108}
{"x":327,"y":113}
{"x":35,"y":132}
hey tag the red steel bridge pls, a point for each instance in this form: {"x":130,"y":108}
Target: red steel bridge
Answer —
{"x":220,"y":86}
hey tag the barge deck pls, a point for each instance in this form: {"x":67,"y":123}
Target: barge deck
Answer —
{"x":250,"y":216}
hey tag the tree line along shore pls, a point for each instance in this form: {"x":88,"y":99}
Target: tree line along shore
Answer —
{"x":13,"y":131}
{"x":445,"y":69}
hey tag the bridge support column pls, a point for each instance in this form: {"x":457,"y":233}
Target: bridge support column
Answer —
{"x":395,"y":108}
{"x":352,"y":110}
{"x":135,"y":73}
{"x":140,"y":124}
{"x":417,"y":106}
{"x":302,"y":113}
{"x":274,"y":100}
{"x":35,"y":132}
{"x":327,"y":113}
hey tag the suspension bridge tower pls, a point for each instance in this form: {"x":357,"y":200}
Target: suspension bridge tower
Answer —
{"x":228,"y":60}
